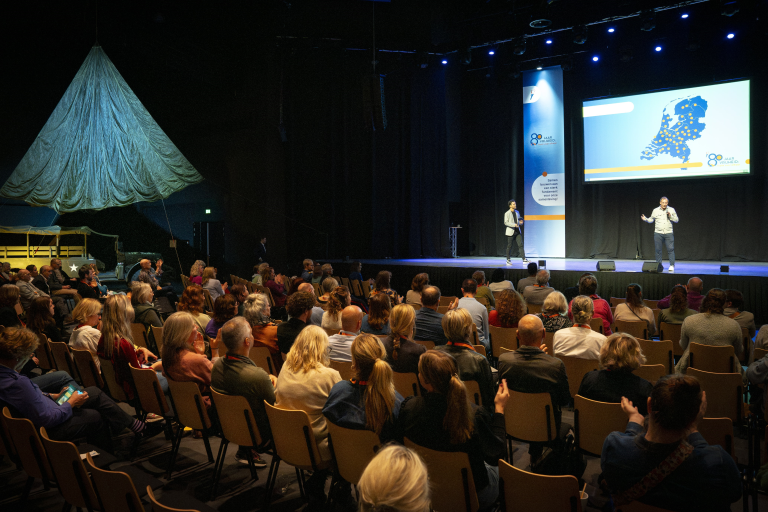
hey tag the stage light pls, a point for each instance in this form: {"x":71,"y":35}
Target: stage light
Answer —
{"x":519,"y":46}
{"x":648,"y":21}
{"x":580,"y":34}
{"x":491,"y":52}
{"x":444,"y":61}
{"x":731,"y":36}
{"x":684,"y":15}
{"x":548,"y":41}
{"x":658,"y":48}
{"x":611,"y":30}
{"x":539,"y":67}
{"x":595,"y":58}
{"x":207,"y":211}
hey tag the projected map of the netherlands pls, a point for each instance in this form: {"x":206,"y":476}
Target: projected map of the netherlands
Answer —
{"x":679,"y":125}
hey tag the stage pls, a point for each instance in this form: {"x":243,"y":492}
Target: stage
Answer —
{"x":751,"y":278}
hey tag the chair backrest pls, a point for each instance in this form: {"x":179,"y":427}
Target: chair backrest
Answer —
{"x":86,"y":367}
{"x":651,"y":372}
{"x":480,"y":349}
{"x":445,"y":300}
{"x":747,"y":344}
{"x":453,"y":487}
{"x":637,"y":328}
{"x":530,"y":417}
{"x":115,"y":489}
{"x":522,"y":490}
{"x":483,"y":300}
{"x":724,"y":394}
{"x":442,"y":309}
{"x":352,"y":449}
{"x":293,"y":437}
{"x":318,"y":291}
{"x":108,"y":371}
{"x":209,"y":300}
{"x":238,"y":424}
{"x":265,"y":291}
{"x":496,"y":295}
{"x":711,"y":358}
{"x":188,"y":404}
{"x":671,"y":332}
{"x":718,"y":431}
{"x":428,"y":344}
{"x":534,"y":308}
{"x":653,"y":304}
{"x":29,"y":450}
{"x":473,"y":391}
{"x":157,"y":333}
{"x":357,"y":289}
{"x":596,"y":324}
{"x":415,"y":307}
{"x":760,"y":353}
{"x":656,"y":315}
{"x":549,"y":341}
{"x":159,"y":507}
{"x":658,"y":352}
{"x":615,"y":301}
{"x":43,"y":353}
{"x":576,"y":369}
{"x":139,"y":333}
{"x":62,"y":358}
{"x":502,"y":337}
{"x":407,"y":384}
{"x":330,"y":332}
{"x":263,"y":359}
{"x":593,"y":421}
{"x":345,"y":282}
{"x":344,"y":368}
{"x":149,"y":392}
{"x":72,"y":478}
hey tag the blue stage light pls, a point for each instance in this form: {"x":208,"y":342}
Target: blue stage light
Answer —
{"x":445,"y":61}
{"x":549,"y":41}
{"x":658,"y":48}
{"x":684,"y":15}
{"x":595,"y":58}
{"x":491,"y":52}
{"x":731,"y":36}
{"x":611,"y":30}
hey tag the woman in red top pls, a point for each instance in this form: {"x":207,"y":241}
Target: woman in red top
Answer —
{"x":510,"y":308}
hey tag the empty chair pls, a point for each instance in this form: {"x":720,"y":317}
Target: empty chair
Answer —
{"x":534,"y":308}
{"x":615,"y":301}
{"x":344,"y":368}
{"x":116,"y":391}
{"x":718,"y":431}
{"x":71,"y":476}
{"x":407,"y":384}
{"x":29,"y":451}
{"x":114,"y":489}
{"x":502,"y":337}
{"x":637,"y":328}
{"x":43,"y":353}
{"x":63,"y":358}
{"x":263,"y":359}
{"x":593,"y":421}
{"x":157,"y":333}
{"x":473,"y":390}
{"x":575,"y":369}
{"x":352,"y":450}
{"x":658,"y":352}
{"x":597,"y":325}
{"x":139,"y":333}
{"x":651,"y":372}
{"x":653,"y":304}
{"x":725,"y":397}
{"x":86,"y":367}
{"x":671,"y":332}
{"x":159,"y":507}
{"x":191,"y":412}
{"x":453,"y":487}
{"x":711,"y":358}
{"x":521,"y":490}
{"x":530,"y":418}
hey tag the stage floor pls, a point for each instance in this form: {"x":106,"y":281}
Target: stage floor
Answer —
{"x":756,"y":269}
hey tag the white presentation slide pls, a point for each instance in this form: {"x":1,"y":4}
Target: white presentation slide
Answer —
{"x":681,"y":133}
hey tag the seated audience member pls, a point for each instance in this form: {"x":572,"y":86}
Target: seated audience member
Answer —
{"x":154,"y":280}
{"x":276,"y":287}
{"x":537,"y":293}
{"x":554,"y":313}
{"x":510,"y":308}
{"x":698,"y":476}
{"x":601,"y":308}
{"x":240,"y":292}
{"x":309,"y":267}
{"x":381,"y":285}
{"x":529,"y":369}
{"x":214,"y":286}
{"x":368,"y":401}
{"x":734,"y":308}
{"x":193,"y":301}
{"x":619,"y":357}
{"x":236,"y":374}
{"x":694,"y":287}
{"x":580,"y":340}
{"x":41,"y":283}
{"x":83,"y":287}
{"x":304,"y":384}
{"x":316,"y":318}
{"x":32,"y":269}
{"x":483,"y":290}
{"x":761,"y":339}
{"x":429,"y":323}
{"x":60,"y":283}
{"x":257,"y":271}
{"x":396,"y":479}
{"x":525,"y":282}
{"x":5,"y":274}
{"x":498,"y":283}
{"x":264,"y":331}
{"x":9,"y":297}
{"x":327,"y":269}
{"x":354,"y":272}
{"x":40,"y":319}
{"x":96,"y":282}
{"x":340,"y":344}
{"x":299,"y":307}
{"x":377,"y":320}
{"x":757,"y":372}
{"x":635,"y":310}
{"x":678,"y":309}
{"x":326,"y":287}
{"x":477,"y":311}
{"x":417,"y":285}
{"x":145,"y":312}
{"x":295,"y":283}
{"x":224,"y":309}
{"x":711,"y":327}
{"x":88,"y":413}
{"x":402,"y":353}
{"x":573,"y":291}
{"x":86,"y":335}
{"x":457,"y":325}
{"x":444,"y":419}
{"x":317,"y":274}
{"x":27,"y":291}
{"x":338,"y":300}
{"x":196,"y":272}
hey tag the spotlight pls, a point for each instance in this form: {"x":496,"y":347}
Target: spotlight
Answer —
{"x":729,"y":7}
{"x":658,"y":48}
{"x":491,"y":52}
{"x":684,"y":15}
{"x":548,"y":41}
{"x":648,"y":19}
{"x":611,"y":30}
{"x":580,"y":34}
{"x":595,"y":58}
{"x":519,"y":46}
{"x":731,"y":36}
{"x":538,"y":66}
{"x":466,"y":57}
{"x":444,"y":61}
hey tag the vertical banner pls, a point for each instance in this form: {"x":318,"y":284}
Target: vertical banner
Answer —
{"x":544,"y":152}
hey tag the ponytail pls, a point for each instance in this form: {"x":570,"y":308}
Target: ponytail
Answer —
{"x":379,"y":396}
{"x":395,"y":346}
{"x":401,"y":324}
{"x":458,"y":416}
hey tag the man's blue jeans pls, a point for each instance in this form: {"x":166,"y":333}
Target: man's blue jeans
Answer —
{"x":669,"y":240}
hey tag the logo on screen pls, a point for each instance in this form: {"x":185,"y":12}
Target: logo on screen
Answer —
{"x":535,"y":138}
{"x":531,"y":94}
{"x":713,"y":159}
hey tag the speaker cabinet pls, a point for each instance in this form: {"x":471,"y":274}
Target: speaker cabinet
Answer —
{"x":606,"y":266}
{"x":652,"y":266}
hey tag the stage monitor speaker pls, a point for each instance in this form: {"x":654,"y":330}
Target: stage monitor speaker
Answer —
{"x":606,"y":266}
{"x":652,"y":266}
{"x":725,"y":268}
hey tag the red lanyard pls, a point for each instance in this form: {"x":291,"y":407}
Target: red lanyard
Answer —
{"x":551,"y":316}
{"x":539,"y":286}
{"x":80,"y":325}
{"x":359,"y":382}
{"x":584,"y":326}
{"x":465,"y":345}
{"x":232,"y":358}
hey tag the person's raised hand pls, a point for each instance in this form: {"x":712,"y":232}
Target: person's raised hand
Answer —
{"x":214,"y":343}
{"x":543,"y":348}
{"x":273,"y":380}
{"x":224,"y":286}
{"x":643,"y":217}
{"x":78,"y":398}
{"x":159,"y":263}
{"x":454,"y":304}
{"x":631,"y":411}
{"x":502,"y":396}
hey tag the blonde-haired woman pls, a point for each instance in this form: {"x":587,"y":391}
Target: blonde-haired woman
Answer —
{"x":580,"y":340}
{"x":214,"y":286}
{"x":620,"y":356}
{"x":86,"y":335}
{"x":445,"y":420}
{"x":396,"y":479}
{"x":196,"y":272}
{"x":402,"y":352}
{"x":368,"y":401}
{"x":304,"y":383}
{"x":554,"y":313}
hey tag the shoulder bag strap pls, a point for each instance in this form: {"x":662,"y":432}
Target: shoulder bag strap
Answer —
{"x":655,"y":477}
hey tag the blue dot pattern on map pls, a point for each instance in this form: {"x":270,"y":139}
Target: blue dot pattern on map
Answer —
{"x":677,"y":129}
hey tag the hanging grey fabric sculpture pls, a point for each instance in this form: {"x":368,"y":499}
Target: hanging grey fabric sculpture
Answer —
{"x":100,"y":148}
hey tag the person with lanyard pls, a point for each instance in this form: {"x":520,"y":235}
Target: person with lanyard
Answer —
{"x":580,"y":340}
{"x":600,"y":307}
{"x":664,"y":215}
{"x":457,"y":325}
{"x":403,"y":353}
{"x":538,"y":293}
{"x":513,"y":223}
{"x":554,"y":313}
{"x":340,"y":344}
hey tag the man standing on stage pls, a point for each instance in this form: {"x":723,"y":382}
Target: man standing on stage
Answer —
{"x":513,"y":222}
{"x":664,"y":216}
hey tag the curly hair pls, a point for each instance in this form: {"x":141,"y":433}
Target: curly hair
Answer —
{"x":621,"y":352}
{"x":225,"y":308}
{"x":17,"y":343}
{"x":299,"y":303}
{"x":714,"y":302}
{"x":678,"y":300}
{"x":582,"y":309}
{"x":510,"y":307}
{"x":419,"y":282}
{"x":192,"y":300}
{"x":338,"y":300}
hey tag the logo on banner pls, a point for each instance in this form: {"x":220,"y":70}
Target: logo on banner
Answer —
{"x":531,"y":94}
{"x":538,"y":138}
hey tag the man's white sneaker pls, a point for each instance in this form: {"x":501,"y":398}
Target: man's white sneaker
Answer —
{"x":671,"y":268}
